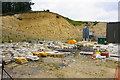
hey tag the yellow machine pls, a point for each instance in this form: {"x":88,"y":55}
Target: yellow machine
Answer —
{"x":37,"y":54}
{"x":60,"y":55}
{"x":40,"y":54}
{"x":20,"y":60}
{"x":98,"y":53}
{"x":72,"y":41}
{"x":44,"y":54}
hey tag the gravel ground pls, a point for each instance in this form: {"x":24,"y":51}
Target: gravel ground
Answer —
{"x":72,"y":66}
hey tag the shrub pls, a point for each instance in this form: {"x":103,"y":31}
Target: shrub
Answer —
{"x":9,"y":41}
{"x":48,"y":10}
{"x":95,"y":23}
{"x":43,"y":39}
{"x":57,"y":17}
{"x":9,"y":13}
{"x":71,"y":38}
{"x":8,"y":37}
{"x":24,"y":40}
{"x":75,"y":55}
{"x":92,"y":27}
{"x":74,"y":24}
{"x":19,"y":18}
{"x":3,"y":42}
{"x":77,"y":39}
{"x":66,"y":41}
{"x":86,"y":22}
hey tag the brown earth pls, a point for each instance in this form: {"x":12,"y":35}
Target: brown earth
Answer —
{"x":44,"y":26}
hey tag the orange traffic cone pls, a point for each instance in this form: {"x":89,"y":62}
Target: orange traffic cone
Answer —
{"x":117,"y":74}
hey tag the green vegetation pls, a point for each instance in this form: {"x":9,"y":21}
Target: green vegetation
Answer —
{"x":41,"y":59}
{"x":56,"y":66}
{"x":57,"y":17}
{"x":80,"y":22}
{"x":78,"y":39}
{"x":11,"y":8}
{"x":75,"y":22}
{"x":87,"y":24}
{"x":43,"y":39}
{"x":3,"y":41}
{"x":38,"y":39}
{"x":24,"y":40}
{"x":16,"y":36}
{"x":95,"y":23}
{"x":34,"y":11}
{"x":19,"y":18}
{"x":66,"y":42}
{"x":48,"y":10}
{"x":92,"y":27}
{"x":8,"y":13}
{"x":75,"y":55}
{"x":9,"y":41}
{"x":116,"y":62}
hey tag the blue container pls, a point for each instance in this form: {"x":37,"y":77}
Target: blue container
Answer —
{"x":85,"y":33}
{"x":87,"y":29}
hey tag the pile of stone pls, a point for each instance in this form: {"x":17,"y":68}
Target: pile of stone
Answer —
{"x":23,"y":51}
{"x":112,"y":49}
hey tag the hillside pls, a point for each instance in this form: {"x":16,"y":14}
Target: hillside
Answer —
{"x":44,"y":26}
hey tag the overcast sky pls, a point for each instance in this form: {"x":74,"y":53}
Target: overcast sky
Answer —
{"x":81,"y":10}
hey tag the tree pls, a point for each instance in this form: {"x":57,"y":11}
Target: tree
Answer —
{"x":48,"y":10}
{"x":16,"y":7}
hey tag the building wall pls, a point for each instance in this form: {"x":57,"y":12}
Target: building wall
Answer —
{"x":112,"y":32}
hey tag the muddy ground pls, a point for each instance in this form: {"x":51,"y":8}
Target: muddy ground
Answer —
{"x":72,"y":66}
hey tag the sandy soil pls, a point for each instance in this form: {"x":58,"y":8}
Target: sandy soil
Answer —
{"x":79,"y":66}
{"x":44,"y":26}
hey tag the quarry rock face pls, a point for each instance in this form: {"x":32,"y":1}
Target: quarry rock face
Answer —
{"x":43,"y":26}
